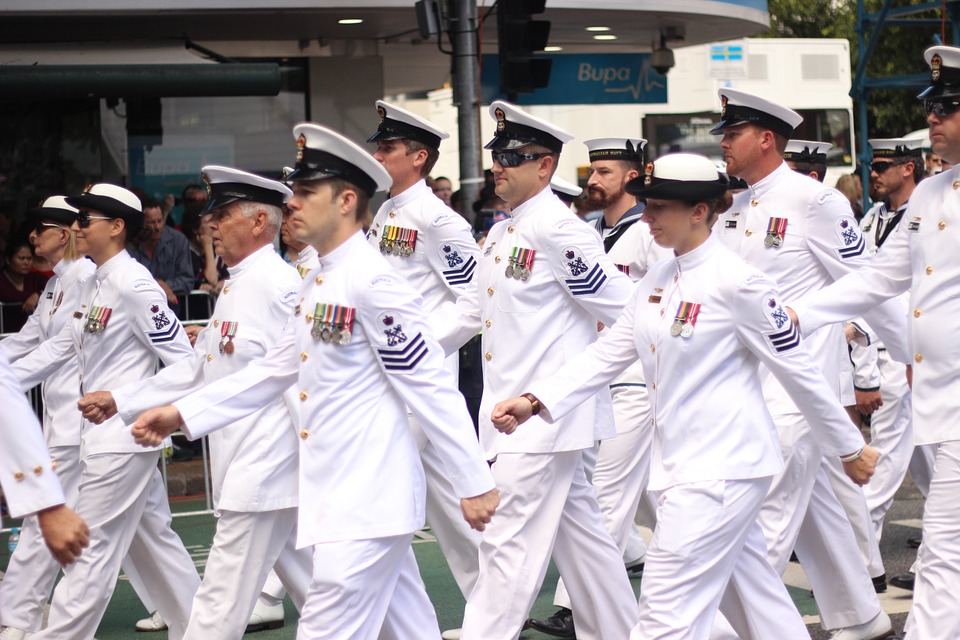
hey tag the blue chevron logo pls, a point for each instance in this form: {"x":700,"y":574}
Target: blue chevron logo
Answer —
{"x":783,"y":341}
{"x":405,"y":359}
{"x":852,"y":252}
{"x":462,"y":274}
{"x":167,"y":335}
{"x":588,"y":284}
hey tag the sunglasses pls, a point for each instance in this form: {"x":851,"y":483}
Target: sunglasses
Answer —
{"x":84,"y":218}
{"x":507,"y":159}
{"x":881,"y":166}
{"x":941,"y":106}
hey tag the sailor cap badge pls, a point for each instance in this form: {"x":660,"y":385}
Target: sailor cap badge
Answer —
{"x":501,"y":116}
{"x":206,"y":183}
{"x":382,"y":113}
{"x":648,"y":174}
{"x":723,"y":107}
{"x":935,"y":67}
{"x":301,"y":143}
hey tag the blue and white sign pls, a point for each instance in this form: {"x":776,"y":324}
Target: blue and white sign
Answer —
{"x":618,"y":78}
{"x":727,"y":60}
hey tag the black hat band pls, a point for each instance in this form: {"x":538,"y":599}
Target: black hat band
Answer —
{"x":512,"y":132}
{"x":685,"y":190}
{"x":617,"y":154}
{"x":223,"y":193}
{"x":735,"y":114}
{"x":317,"y":165}
{"x":899,"y":151}
{"x":807,"y":155}
{"x":391,"y":129}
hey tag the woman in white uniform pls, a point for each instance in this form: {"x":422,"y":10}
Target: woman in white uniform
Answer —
{"x":700,"y":324}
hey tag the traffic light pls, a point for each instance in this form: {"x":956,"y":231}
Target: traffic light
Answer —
{"x":519,"y":37}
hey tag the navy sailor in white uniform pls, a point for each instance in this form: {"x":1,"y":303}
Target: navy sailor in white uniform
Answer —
{"x":700,"y":324}
{"x":360,"y":354}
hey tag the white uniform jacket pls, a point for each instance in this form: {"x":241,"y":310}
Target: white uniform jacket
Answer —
{"x":877,"y":225}
{"x":138,"y":326}
{"x":707,"y":401}
{"x":445,"y":254}
{"x":920,"y":257}
{"x":29,"y":483}
{"x":532,"y":327}
{"x":360,"y":472}
{"x":254,"y":461}
{"x":61,"y":420}
{"x":821,"y":242}
{"x":633,"y":252}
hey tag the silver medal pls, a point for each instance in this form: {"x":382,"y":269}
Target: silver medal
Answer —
{"x":687,"y":330}
{"x":676,"y":328}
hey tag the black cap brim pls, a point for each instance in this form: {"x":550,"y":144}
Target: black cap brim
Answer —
{"x":52,"y":214}
{"x":685,"y":190}
{"x":105,"y":205}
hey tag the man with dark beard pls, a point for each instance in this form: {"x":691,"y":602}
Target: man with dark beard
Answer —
{"x":620,"y":466}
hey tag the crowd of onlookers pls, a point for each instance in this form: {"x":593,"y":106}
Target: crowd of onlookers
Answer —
{"x":176,"y":244}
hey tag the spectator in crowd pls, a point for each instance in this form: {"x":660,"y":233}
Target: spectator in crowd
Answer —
{"x":166,"y":253}
{"x":20,"y":286}
{"x":849,"y":185}
{"x":209,"y":271}
{"x":443,"y":189}
{"x":193,"y":199}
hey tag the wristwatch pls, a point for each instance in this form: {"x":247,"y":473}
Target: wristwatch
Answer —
{"x":534,"y":402}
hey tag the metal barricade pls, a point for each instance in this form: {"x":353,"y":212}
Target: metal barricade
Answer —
{"x":198,"y":305}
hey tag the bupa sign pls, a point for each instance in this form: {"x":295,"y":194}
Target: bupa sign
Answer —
{"x":626,"y":78}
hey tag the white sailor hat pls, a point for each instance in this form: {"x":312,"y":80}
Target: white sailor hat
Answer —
{"x":806,"y":151}
{"x":897,"y":147}
{"x":226,"y":185}
{"x":324,"y":153}
{"x":565,"y":190}
{"x":616,"y":149}
{"x":112,"y":201}
{"x":739,"y":107}
{"x":55,"y":209}
{"x":517,"y":128}
{"x":679,"y":176}
{"x":944,"y":72}
{"x":400,"y":124}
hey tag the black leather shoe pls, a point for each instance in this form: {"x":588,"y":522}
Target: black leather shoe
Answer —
{"x":880,"y":583}
{"x":914,"y":541}
{"x":635,"y":572}
{"x":559,"y":625}
{"x":903,"y":581}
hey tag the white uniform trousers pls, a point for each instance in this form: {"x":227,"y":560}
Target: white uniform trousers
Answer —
{"x":273,"y":588}
{"x":707,"y":552}
{"x":125,"y":505}
{"x":32,"y":569}
{"x":620,"y":476}
{"x":854,"y":503}
{"x":891,"y":433}
{"x":365,"y":590}
{"x":935,"y":614}
{"x":547,"y":506}
{"x":458,"y":542}
{"x":802,"y":513}
{"x":921,"y":466}
{"x":246,"y":546}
